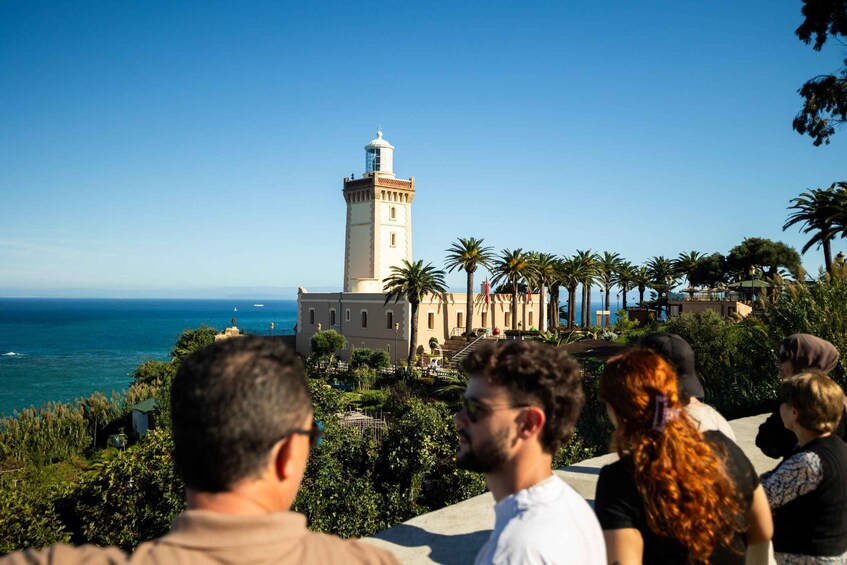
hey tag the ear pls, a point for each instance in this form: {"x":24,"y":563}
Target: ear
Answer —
{"x":533,"y":422}
{"x":285,"y":464}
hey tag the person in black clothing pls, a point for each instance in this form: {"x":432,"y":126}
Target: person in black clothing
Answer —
{"x":797,"y":353}
{"x":808,"y":490}
{"x":677,"y":495}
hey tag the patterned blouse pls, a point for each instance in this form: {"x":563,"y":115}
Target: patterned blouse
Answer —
{"x":800,"y":474}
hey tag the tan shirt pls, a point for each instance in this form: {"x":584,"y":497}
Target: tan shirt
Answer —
{"x":200,"y":537}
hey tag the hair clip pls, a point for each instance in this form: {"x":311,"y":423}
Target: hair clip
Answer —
{"x":660,"y":417}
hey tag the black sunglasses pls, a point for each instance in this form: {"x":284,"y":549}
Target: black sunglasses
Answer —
{"x":315,"y":433}
{"x":474,"y":409}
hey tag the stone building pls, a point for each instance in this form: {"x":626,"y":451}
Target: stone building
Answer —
{"x":378,"y":235}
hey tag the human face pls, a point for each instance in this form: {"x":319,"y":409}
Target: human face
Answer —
{"x":784,"y":366}
{"x":788,"y":415}
{"x":486,"y":426}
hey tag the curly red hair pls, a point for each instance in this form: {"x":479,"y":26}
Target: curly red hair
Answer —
{"x":682,"y":480}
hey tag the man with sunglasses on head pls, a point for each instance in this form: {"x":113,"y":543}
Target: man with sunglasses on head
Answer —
{"x":521,"y":405}
{"x":242,"y":428}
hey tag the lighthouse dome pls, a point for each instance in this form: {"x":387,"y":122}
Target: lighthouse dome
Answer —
{"x":379,"y":156}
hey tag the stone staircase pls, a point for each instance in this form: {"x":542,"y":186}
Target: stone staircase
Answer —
{"x":466,"y":349}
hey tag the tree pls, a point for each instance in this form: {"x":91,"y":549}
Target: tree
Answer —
{"x":543,"y":273}
{"x":641,"y":278}
{"x":325,"y":343}
{"x":588,"y":259}
{"x":572,"y":271}
{"x":192,"y":340}
{"x":709,"y":271}
{"x":817,"y":211}
{"x":662,"y":278}
{"x":623,"y":277}
{"x":510,"y":267}
{"x":607,"y":266}
{"x":685,"y":264}
{"x":555,"y":285}
{"x":825,"y":96}
{"x":763,"y":254}
{"x":468,"y":255}
{"x":412,"y":282}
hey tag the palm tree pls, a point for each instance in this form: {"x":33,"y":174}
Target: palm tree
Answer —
{"x":641,"y":278}
{"x":509,"y":268}
{"x":467,"y":255}
{"x":555,"y":284}
{"x":588,"y":258}
{"x":686,"y":263}
{"x":817,"y":211}
{"x":607,"y":265}
{"x":624,"y":275}
{"x":572,"y":271}
{"x":543,"y":273}
{"x":662,"y":277}
{"x":413,"y":281}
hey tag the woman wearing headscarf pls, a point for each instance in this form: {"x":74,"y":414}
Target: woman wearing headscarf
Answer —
{"x":797,"y":353}
{"x":676,"y":495}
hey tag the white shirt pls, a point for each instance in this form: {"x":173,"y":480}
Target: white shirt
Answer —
{"x":707,"y":418}
{"x":546,"y":523}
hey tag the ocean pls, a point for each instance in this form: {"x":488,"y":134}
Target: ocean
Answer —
{"x":62,"y":349}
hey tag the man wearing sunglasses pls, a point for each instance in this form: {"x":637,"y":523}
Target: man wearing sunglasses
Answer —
{"x":521,"y":405}
{"x":242,"y":428}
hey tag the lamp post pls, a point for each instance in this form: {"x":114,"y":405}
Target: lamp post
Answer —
{"x":396,"y":327}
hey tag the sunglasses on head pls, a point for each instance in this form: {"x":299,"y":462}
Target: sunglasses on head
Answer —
{"x":475,"y":410}
{"x":315,"y":433}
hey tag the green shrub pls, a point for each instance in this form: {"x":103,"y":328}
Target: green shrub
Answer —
{"x":192,"y":340}
{"x":28,"y":517}
{"x":373,"y":358}
{"x":326,"y":343}
{"x":128,"y":497}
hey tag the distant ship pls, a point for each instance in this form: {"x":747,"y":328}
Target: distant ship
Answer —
{"x":235,"y":309}
{"x":259,"y":305}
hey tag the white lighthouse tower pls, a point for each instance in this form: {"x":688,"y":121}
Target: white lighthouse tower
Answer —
{"x":379,"y":220}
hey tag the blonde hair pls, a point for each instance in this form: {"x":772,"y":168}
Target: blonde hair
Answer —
{"x":818,"y":400}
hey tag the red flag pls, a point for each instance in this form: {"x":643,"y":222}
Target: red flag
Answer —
{"x":528,"y":294}
{"x":487,"y":292}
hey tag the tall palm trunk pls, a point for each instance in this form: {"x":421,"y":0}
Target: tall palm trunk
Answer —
{"x":514,"y":305}
{"x":542,"y":322}
{"x":641,"y":295}
{"x":554,"y":306}
{"x":413,"y":336}
{"x":571,"y":307}
{"x":584,"y":308}
{"x":469,"y":307}
{"x":827,"y":255}
{"x":608,"y":307}
{"x":623,"y":291}
{"x":588,"y":308}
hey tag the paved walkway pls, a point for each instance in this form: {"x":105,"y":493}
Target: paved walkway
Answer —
{"x":453,"y":534}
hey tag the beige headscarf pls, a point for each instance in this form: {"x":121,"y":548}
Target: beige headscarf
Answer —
{"x":808,"y":352}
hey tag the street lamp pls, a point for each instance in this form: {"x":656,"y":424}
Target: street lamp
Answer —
{"x":396,"y":327}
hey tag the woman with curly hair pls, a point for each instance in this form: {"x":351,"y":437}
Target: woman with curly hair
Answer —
{"x":676,"y":495}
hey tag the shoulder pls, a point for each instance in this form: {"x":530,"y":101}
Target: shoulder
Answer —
{"x":738,"y":465}
{"x":332,"y":549}
{"x":708,"y":418}
{"x":62,"y":554}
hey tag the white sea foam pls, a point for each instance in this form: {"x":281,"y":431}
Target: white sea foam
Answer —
{"x":10,"y":354}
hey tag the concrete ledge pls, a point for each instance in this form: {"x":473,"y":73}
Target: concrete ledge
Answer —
{"x":454,"y":534}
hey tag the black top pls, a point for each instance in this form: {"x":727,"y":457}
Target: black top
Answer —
{"x":618,"y":506}
{"x":815,"y":522}
{"x":777,"y":442}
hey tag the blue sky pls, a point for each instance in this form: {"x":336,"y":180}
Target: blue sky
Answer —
{"x":198,"y":149}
